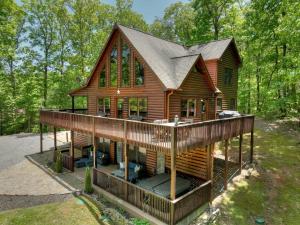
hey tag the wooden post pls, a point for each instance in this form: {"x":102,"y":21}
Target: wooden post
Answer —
{"x":41,"y":138}
{"x":211,"y":149}
{"x":55,"y":144}
{"x":251,"y":146}
{"x":173,"y":162}
{"x":226,"y":165}
{"x":94,"y":144}
{"x":125,"y":151}
{"x":72,"y":149}
{"x":240,"y":152}
{"x":73,"y":104}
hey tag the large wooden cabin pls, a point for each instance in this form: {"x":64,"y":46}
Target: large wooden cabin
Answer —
{"x":139,"y":86}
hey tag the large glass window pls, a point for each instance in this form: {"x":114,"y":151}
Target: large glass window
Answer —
{"x":203,"y":106}
{"x":232,"y":104}
{"x":138,"y":107}
{"x":125,"y":65}
{"x":188,"y":107}
{"x":227,"y":76}
{"x":114,"y":66}
{"x":139,"y":73}
{"x":120,"y":104}
{"x":102,"y":78}
{"x":104,"y":106}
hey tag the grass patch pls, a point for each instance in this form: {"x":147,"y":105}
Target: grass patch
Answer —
{"x":273,"y":192}
{"x":62,"y":213}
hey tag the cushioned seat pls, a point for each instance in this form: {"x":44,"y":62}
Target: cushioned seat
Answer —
{"x":132,"y":174}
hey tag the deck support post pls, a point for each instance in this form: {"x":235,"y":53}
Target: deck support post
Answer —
{"x":72,"y":150}
{"x":41,"y":138}
{"x":55,"y":144}
{"x":211,"y":148}
{"x":173,"y":162}
{"x":73,"y":104}
{"x":240,"y":152}
{"x":94,"y":144}
{"x":125,"y":151}
{"x":251,"y":145}
{"x":226,"y":165}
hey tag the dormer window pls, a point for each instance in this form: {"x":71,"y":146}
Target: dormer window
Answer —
{"x":125,"y":81}
{"x":228,"y":76}
{"x":113,"y":66}
{"x":139,"y":73}
{"x":102,"y":78}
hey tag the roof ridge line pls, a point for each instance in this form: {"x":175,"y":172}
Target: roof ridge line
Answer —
{"x":147,"y":33}
{"x":205,"y":43}
{"x":176,"y":57}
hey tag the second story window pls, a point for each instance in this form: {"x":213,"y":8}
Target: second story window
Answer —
{"x":228,"y":76}
{"x":104,"y":106}
{"x":232,"y":104}
{"x":114,"y":66}
{"x":102,"y":78}
{"x":138,"y":107}
{"x":219,"y":104}
{"x":139,"y":73}
{"x":125,"y":65}
{"x":202,"y":106}
{"x":188,"y":108}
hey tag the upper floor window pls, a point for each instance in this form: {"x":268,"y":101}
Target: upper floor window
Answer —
{"x":114,"y":66}
{"x":188,"y":107}
{"x":203,"y":106}
{"x":104,"y":106}
{"x":102,"y":78}
{"x":219,"y":104}
{"x":232,"y":104}
{"x":139,"y":73}
{"x":125,"y":65}
{"x":138,"y":107}
{"x":228,"y":76}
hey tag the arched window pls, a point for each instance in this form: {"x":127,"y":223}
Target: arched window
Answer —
{"x":113,"y":66}
{"x":125,"y":65}
{"x":139,"y":73}
{"x":102,"y":78}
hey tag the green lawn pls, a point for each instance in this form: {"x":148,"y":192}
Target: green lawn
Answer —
{"x":72,"y":211}
{"x":273,"y":191}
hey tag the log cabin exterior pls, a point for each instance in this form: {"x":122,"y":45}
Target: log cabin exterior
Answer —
{"x":138,"y":85}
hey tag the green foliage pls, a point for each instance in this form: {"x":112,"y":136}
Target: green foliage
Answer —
{"x":137,"y":221}
{"x":88,"y":181}
{"x":59,"y":163}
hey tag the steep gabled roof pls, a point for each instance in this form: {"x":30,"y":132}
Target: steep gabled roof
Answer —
{"x":171,"y":62}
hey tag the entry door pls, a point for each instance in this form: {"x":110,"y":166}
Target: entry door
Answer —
{"x":120,"y":108}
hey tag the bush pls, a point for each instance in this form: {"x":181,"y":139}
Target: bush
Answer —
{"x":88,"y":181}
{"x":137,"y":221}
{"x":59,"y":163}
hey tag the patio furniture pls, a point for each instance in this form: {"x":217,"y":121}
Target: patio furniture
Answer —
{"x":84,"y":162}
{"x":151,"y":182}
{"x":102,"y":158}
{"x":133,"y":175}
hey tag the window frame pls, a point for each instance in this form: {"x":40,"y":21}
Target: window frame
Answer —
{"x":187,"y":114}
{"x":104,"y":105}
{"x":138,"y":106}
{"x":135,"y":74}
{"x":103,"y":70}
{"x":227,"y":78}
{"x":114,"y":47}
{"x":123,"y":44}
{"x":219,"y":107}
{"x":232,"y":100}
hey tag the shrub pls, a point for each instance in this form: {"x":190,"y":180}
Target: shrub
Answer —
{"x":137,"y":221}
{"x":59,"y":163}
{"x":88,"y":181}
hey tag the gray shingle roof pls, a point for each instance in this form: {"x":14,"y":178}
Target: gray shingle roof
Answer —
{"x":170,"y":61}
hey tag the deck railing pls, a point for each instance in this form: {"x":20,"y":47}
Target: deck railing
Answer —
{"x":67,"y":162}
{"x":150,"y":135}
{"x":162,"y":208}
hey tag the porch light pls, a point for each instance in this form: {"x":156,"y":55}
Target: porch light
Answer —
{"x":118,"y":92}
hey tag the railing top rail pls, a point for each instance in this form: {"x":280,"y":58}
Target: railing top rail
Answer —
{"x":124,"y":181}
{"x":191,"y":192}
{"x":203,"y":123}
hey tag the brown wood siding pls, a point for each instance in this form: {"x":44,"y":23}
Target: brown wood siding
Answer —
{"x":152,"y":88}
{"x":212,"y":67}
{"x":228,"y":60}
{"x":193,"y":162}
{"x":195,"y":86}
{"x":112,"y":152}
{"x":151,"y":158}
{"x":81,"y":139}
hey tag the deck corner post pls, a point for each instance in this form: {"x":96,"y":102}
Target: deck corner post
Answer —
{"x":172,"y":213}
{"x":41,"y":138}
{"x":125,"y":151}
{"x":72,"y":150}
{"x":226,"y":165}
{"x":73,"y":104}
{"x":173,"y":162}
{"x":252,"y":142}
{"x":55,"y":144}
{"x":94,"y":144}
